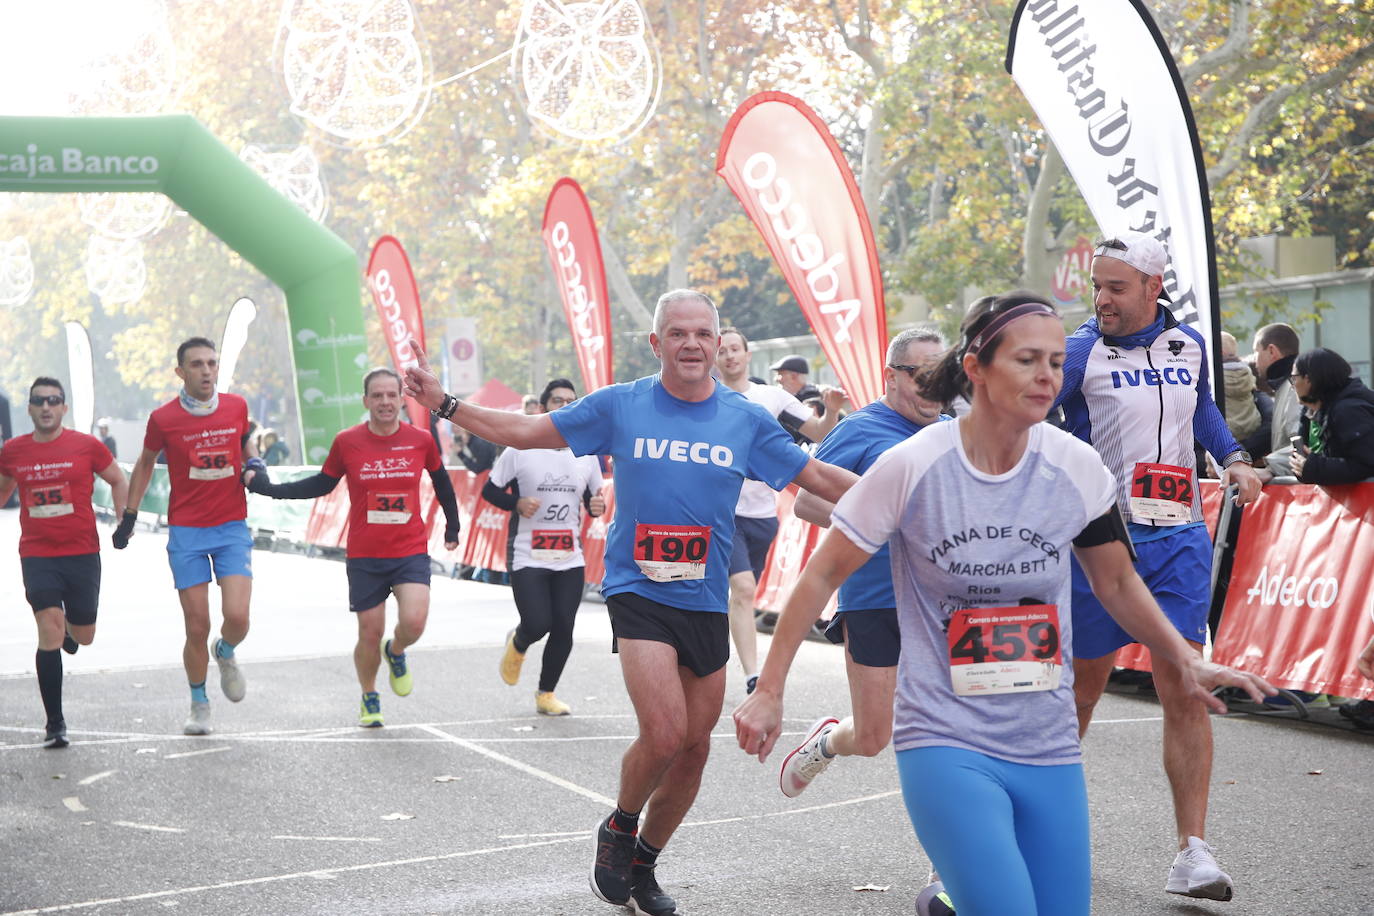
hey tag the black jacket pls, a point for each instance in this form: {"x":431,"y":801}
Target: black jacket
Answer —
{"x":1346,"y":454}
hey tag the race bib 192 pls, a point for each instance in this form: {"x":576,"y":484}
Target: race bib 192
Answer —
{"x":50,"y":500}
{"x":212,"y":462}
{"x":670,"y":553}
{"x":387,"y":508}
{"x":1161,"y":493}
{"x":550,"y":546}
{"x":1004,"y":650}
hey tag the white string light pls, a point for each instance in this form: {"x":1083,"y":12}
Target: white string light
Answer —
{"x":115,"y":270}
{"x":16,"y":271}
{"x":293,"y":172}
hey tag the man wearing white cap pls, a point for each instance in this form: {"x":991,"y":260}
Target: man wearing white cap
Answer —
{"x":1136,"y":387}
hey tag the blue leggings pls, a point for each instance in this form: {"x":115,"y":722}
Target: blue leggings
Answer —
{"x":1008,"y":839}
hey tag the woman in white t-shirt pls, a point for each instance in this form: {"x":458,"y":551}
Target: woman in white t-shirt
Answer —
{"x":545,"y":491}
{"x":980,"y":515}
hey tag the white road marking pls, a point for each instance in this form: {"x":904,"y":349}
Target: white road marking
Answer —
{"x":317,"y":873}
{"x":153,"y":827}
{"x":73,"y":803}
{"x":208,"y":750}
{"x":96,"y":778}
{"x":331,"y":839}
{"x":522,"y":767}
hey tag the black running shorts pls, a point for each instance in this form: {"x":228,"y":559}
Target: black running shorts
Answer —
{"x":872,"y":638}
{"x":70,"y":583}
{"x":701,"y":638}
{"x":370,"y":578}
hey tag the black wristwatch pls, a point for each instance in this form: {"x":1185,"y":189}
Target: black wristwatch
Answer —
{"x":445,"y":410}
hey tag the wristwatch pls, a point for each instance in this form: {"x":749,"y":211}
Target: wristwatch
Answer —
{"x":1237,"y":456}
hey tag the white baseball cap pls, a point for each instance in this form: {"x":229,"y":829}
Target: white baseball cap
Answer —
{"x":1141,"y":251}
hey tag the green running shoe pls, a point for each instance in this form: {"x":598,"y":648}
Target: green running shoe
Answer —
{"x":370,"y":712}
{"x":397,"y":669}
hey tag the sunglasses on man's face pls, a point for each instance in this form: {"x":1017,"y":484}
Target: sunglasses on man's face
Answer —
{"x":52,"y":400}
{"x":909,"y":370}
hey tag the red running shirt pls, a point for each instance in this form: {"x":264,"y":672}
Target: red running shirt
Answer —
{"x":384,"y":517}
{"x":55,"y":516}
{"x":204,"y":458}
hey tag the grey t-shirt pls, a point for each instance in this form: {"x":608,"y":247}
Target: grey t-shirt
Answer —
{"x":963,"y":539}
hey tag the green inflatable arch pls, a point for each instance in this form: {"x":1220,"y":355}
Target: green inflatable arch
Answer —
{"x":177,"y":156}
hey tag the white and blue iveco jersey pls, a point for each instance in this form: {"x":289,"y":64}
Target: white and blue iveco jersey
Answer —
{"x":1144,"y":397}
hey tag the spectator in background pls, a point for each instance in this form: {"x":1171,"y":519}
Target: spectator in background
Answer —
{"x":473,"y":452}
{"x":790,"y":372}
{"x":1241,"y":413}
{"x":1276,"y":348}
{"x":530,"y":405}
{"x":102,"y":430}
{"x":272,"y":449}
{"x":1336,"y":432}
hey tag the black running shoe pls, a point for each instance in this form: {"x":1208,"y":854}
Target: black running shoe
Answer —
{"x":55,"y":735}
{"x":647,"y":898}
{"x":611,"y":867}
{"x":70,"y":645}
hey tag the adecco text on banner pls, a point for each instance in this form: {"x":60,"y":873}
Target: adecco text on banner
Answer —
{"x":790,"y":220}
{"x":579,"y":300}
{"x":1293,"y":591}
{"x":398,"y":330}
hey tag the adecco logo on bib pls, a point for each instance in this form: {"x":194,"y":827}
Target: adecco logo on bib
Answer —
{"x":1293,"y":591}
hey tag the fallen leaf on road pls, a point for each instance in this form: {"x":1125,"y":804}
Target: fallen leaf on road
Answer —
{"x":446,"y":778}
{"x":523,"y":728}
{"x":873,"y":887}
{"x":1314,"y":772}
{"x":398,"y":816}
{"x":146,"y":750}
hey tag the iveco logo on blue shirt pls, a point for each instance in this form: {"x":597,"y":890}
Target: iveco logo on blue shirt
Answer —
{"x":678,"y":450}
{"x":1151,"y":377}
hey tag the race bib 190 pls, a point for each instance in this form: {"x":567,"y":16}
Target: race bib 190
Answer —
{"x":387,"y":508}
{"x":212,"y":462}
{"x":50,"y":500}
{"x":550,"y":546}
{"x":1004,"y":650}
{"x":670,"y":553}
{"x":1161,"y":493}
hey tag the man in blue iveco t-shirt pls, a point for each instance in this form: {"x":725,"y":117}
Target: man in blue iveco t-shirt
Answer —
{"x":682,"y":445}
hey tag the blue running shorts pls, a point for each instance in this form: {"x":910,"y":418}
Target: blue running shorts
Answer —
{"x":191,"y":551}
{"x":1177,"y":570}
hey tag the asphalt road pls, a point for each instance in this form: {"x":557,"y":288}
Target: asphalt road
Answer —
{"x":467,"y":802}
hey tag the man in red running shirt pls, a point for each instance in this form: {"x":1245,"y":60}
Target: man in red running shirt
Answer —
{"x":59,"y":552}
{"x":204,"y":433}
{"x":387,"y":538}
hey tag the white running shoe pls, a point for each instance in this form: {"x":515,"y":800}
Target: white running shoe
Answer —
{"x":1195,"y":873}
{"x":806,"y":762}
{"x":198,"y":722}
{"x":230,"y":677}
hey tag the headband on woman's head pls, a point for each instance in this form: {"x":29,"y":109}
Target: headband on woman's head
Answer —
{"x":1004,"y":318}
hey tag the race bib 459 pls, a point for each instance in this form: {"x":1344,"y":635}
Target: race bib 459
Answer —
{"x":1005,"y":650}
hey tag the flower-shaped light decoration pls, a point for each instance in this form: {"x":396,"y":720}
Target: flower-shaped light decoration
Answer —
{"x":115,"y":270}
{"x":356,"y":69}
{"x":134,"y":72}
{"x":124,"y":216}
{"x":294,"y":172}
{"x":16,"y":271}
{"x":589,"y":70}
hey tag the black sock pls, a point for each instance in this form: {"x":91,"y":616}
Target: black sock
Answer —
{"x":624,"y":821}
{"x":49,"y":665}
{"x":646,"y":857}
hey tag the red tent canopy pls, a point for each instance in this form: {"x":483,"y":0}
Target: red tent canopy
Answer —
{"x":496,"y":395}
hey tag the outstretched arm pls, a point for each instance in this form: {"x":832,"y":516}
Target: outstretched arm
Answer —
{"x":500,"y":426}
{"x":827,"y":481}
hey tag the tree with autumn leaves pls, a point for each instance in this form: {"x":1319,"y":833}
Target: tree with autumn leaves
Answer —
{"x":962,"y":185}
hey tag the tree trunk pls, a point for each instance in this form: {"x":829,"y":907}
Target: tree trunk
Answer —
{"x":1037,"y":246}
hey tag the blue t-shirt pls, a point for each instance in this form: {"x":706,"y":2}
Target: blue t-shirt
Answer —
{"x":855,"y":443}
{"x":677,"y":463}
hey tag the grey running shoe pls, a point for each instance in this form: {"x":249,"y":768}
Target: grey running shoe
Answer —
{"x":933,"y":901}
{"x":1195,"y":873}
{"x":230,"y":677}
{"x":647,"y":898}
{"x":806,"y":762}
{"x":198,"y":722}
{"x":611,"y":866}
{"x":55,"y":735}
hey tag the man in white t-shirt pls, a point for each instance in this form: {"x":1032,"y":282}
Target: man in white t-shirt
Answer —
{"x":756,"y":514}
